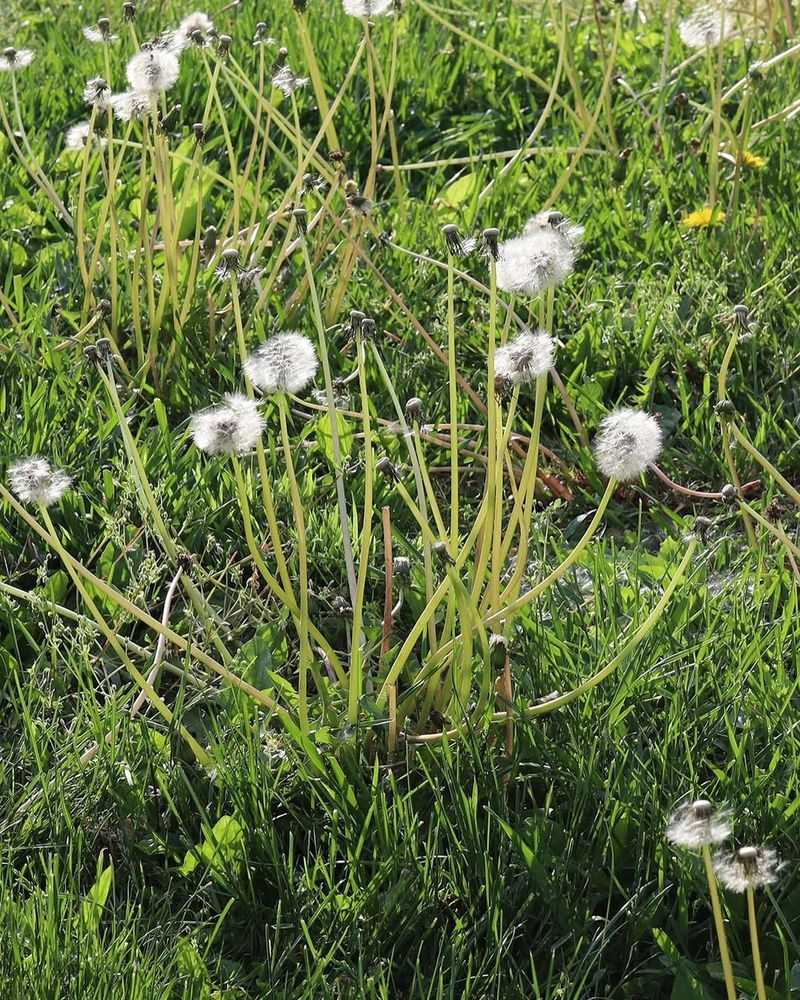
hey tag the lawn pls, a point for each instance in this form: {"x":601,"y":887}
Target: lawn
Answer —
{"x":384,"y":676}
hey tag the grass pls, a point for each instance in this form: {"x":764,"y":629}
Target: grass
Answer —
{"x":309,"y":861}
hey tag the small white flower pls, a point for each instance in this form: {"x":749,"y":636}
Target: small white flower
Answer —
{"x":627,"y":443}
{"x":97,"y":93}
{"x":152,"y":71}
{"x":34,"y":480}
{"x":77,"y":136}
{"x":287,"y":362}
{"x":232,"y":428}
{"x":196,"y":28}
{"x":697,"y":824}
{"x":287,"y":81}
{"x":747,"y":868}
{"x":367,"y":8}
{"x":525,"y":358}
{"x":13,"y":59}
{"x":540,"y":259}
{"x":707,"y":26}
{"x":130,"y":105}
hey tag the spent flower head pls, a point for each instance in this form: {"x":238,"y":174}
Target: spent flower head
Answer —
{"x":287,"y":362}
{"x":12,"y":59}
{"x":525,"y":358}
{"x":747,"y":868}
{"x":129,"y":105}
{"x":571,"y":231}
{"x":367,"y":8}
{"x":195,"y":29}
{"x":628,"y":442}
{"x":97,"y":93}
{"x":152,"y":71}
{"x":707,"y":26}
{"x":77,"y":136}
{"x":541,"y":258}
{"x":35,"y":480}
{"x":100,"y":33}
{"x":232,"y":428}
{"x":287,"y":81}
{"x":697,"y":824}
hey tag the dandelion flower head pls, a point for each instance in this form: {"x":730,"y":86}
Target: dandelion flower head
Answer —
{"x":703,"y":218}
{"x":97,"y":93}
{"x":747,"y":868}
{"x":540,"y":259}
{"x":232,"y":428}
{"x":129,"y":105}
{"x":287,"y":362}
{"x":196,"y":28}
{"x":367,"y":8}
{"x":100,"y":34}
{"x":571,"y":231}
{"x":628,"y":442}
{"x":77,"y":136}
{"x":152,"y":71}
{"x":34,"y":480}
{"x":13,"y":59}
{"x":525,"y":358}
{"x":287,"y":81}
{"x":697,"y":824}
{"x":707,"y":26}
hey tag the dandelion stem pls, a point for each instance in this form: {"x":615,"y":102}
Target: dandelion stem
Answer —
{"x":765,"y":464}
{"x":719,"y":923}
{"x":453,"y":395}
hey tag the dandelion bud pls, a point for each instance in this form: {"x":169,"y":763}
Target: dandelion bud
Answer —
{"x":232,"y":428}
{"x":356,"y":319}
{"x":725,"y":409}
{"x":747,"y":868}
{"x":439,"y":549}
{"x":128,"y":11}
{"x":367,"y":328}
{"x":628,"y":442}
{"x":696,"y":825}
{"x":498,"y":651}
{"x":261,"y":31}
{"x":452,"y":240}
{"x":741,"y":316}
{"x":199,"y":130}
{"x":525,"y":358}
{"x":755,"y":73}
{"x":287,"y":362}
{"x":224,"y":43}
{"x":229,"y":265}
{"x":210,"y":240}
{"x":386,"y":467}
{"x":414,"y":409}
{"x":104,"y":307}
{"x":300,"y":216}
{"x":490,"y":241}
{"x":729,"y":494}
{"x":401,"y":567}
{"x":14,"y":59}
{"x":34,"y":480}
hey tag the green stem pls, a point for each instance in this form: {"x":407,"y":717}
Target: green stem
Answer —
{"x":453,"y":394}
{"x":719,"y":923}
{"x":754,"y":946}
{"x":765,"y":464}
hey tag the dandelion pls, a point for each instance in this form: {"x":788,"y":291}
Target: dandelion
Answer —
{"x":101,"y":33}
{"x":229,"y":264}
{"x":367,"y":8}
{"x":130,"y":105}
{"x":232,"y":428}
{"x":697,"y":824}
{"x":747,"y":868}
{"x":628,"y":442}
{"x":34,"y":480}
{"x":525,"y":358}
{"x":195,"y":29}
{"x":706,"y":27}
{"x":703,"y":218}
{"x":287,"y":362}
{"x":77,"y":136}
{"x":287,"y":81}
{"x":571,"y":231}
{"x":152,"y":71}
{"x":539,"y":259}
{"x":12,"y":59}
{"x":97,"y":93}
{"x":752,"y":160}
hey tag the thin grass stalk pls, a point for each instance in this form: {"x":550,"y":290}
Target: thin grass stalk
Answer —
{"x":725,"y":429}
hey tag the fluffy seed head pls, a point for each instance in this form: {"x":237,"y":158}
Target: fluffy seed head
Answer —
{"x":367,"y":8}
{"x":100,"y":34}
{"x":696,"y":824}
{"x":97,"y":93}
{"x":129,"y":105}
{"x":627,"y":443}
{"x":77,"y":136}
{"x":747,"y":868}
{"x":287,"y":81}
{"x":13,"y":59}
{"x":194,"y":29}
{"x":287,"y":362}
{"x":540,"y":259}
{"x":571,"y":231}
{"x":232,"y":428}
{"x":34,"y":480}
{"x":152,"y":71}
{"x":525,"y":358}
{"x":707,"y":26}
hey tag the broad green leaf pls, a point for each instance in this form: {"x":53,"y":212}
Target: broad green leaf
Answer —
{"x":223,"y":845}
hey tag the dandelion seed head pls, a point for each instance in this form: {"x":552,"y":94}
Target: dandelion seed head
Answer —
{"x":540,"y":259}
{"x":571,"y":231}
{"x":232,"y":428}
{"x":195,"y":29}
{"x":628,"y":442}
{"x":287,"y":81}
{"x":747,"y":868}
{"x":77,"y":136}
{"x":229,"y":264}
{"x":34,"y":480}
{"x":287,"y":362}
{"x":697,"y":824}
{"x":129,"y":105}
{"x":97,"y":93}
{"x":100,"y":34}
{"x":12,"y":59}
{"x":707,"y":26}
{"x":525,"y":358}
{"x":152,"y":71}
{"x":367,"y":8}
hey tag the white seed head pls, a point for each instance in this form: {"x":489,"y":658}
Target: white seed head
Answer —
{"x":697,"y":824}
{"x":195,"y":28}
{"x":287,"y":362}
{"x":232,"y":428}
{"x":747,"y":868}
{"x":129,"y":105}
{"x":77,"y":136}
{"x":34,"y":480}
{"x":707,"y":26}
{"x":99,"y":35}
{"x":367,"y":8}
{"x":97,"y":93}
{"x":628,"y":442}
{"x":12,"y":60}
{"x":525,"y":358}
{"x":571,"y":231}
{"x":286,"y":80}
{"x":152,"y":71}
{"x":540,"y":259}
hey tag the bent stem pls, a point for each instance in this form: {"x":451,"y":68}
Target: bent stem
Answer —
{"x":754,"y":946}
{"x":765,"y":464}
{"x":719,"y":923}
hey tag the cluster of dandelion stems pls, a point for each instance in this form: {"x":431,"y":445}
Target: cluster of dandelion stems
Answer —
{"x":448,"y":663}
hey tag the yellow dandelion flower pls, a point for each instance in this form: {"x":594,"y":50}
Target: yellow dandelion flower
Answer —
{"x":748,"y":159}
{"x":703,"y":218}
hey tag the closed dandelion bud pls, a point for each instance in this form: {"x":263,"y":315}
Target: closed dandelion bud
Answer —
{"x":356,"y":319}
{"x":452,"y":240}
{"x":491,"y":243}
{"x":300,"y":216}
{"x":224,"y":43}
{"x":756,"y":73}
{"x":401,"y":567}
{"x":387,"y":468}
{"x":747,"y":868}
{"x":697,"y":824}
{"x":414,"y":409}
{"x":199,"y":130}
{"x":741,"y":316}
{"x":34,"y":480}
{"x":367,"y":328}
{"x":627,"y":443}
{"x":287,"y":362}
{"x":210,"y":240}
{"x":439,"y":549}
{"x":729,"y":494}
{"x":104,"y":307}
{"x":498,"y":651}
{"x":261,"y":31}
{"x":725,"y":409}
{"x":128,"y":11}
{"x":229,"y":265}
